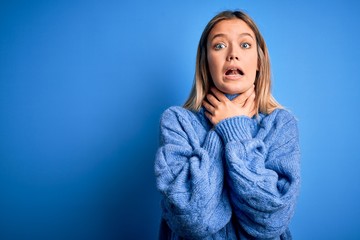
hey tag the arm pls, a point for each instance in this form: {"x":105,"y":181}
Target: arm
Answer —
{"x":263,"y":173}
{"x":190,"y":177}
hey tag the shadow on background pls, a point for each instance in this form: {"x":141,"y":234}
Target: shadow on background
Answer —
{"x":82,"y":88}
{"x":83,"y":85}
{"x":134,"y":212}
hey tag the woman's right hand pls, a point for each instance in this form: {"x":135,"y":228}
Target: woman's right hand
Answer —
{"x":248,"y":97}
{"x":219,"y":107}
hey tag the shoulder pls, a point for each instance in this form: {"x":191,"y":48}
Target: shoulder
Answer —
{"x":176,"y":125}
{"x":284,"y":132}
{"x":281,"y":125}
{"x":178,"y":117}
{"x":280,"y":117}
{"x":283,"y":115}
{"x":176,"y":113}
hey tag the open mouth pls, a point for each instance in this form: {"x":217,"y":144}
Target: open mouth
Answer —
{"x":234,"y":71}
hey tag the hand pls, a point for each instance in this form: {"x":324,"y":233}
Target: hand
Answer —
{"x":219,"y":107}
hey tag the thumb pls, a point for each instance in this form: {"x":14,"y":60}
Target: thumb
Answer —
{"x":241,"y":99}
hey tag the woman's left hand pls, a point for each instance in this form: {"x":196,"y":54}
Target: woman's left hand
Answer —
{"x":219,"y":107}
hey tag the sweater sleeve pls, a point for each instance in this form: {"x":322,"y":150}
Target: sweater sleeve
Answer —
{"x":189,"y":176}
{"x":263,"y":173}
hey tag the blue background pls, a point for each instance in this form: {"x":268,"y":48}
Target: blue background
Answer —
{"x":83,"y":84}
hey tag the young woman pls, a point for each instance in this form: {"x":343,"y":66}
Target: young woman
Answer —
{"x":228,"y":165}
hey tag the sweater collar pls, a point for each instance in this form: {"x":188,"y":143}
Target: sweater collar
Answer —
{"x":231,"y":96}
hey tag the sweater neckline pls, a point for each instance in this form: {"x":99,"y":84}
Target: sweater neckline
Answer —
{"x":231,"y":96}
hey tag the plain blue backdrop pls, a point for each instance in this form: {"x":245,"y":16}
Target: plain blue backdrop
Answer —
{"x":83,"y":84}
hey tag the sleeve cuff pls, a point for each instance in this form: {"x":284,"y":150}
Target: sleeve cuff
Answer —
{"x":212,"y":143}
{"x":234,"y":129}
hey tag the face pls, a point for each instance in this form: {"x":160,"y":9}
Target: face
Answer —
{"x":232,"y":56}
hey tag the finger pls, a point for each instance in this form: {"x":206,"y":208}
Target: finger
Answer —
{"x":209,"y":116}
{"x":212,"y":100}
{"x":251,"y":89}
{"x":249,"y":101}
{"x":219,"y":95}
{"x":245,"y":95}
{"x":249,"y":107}
{"x":242,"y":97}
{"x":208,"y":107}
{"x":252,"y":113}
{"x":254,"y":110}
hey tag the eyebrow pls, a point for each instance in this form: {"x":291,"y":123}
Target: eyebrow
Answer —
{"x":224,"y":35}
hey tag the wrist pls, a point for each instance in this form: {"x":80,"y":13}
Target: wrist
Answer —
{"x":234,"y":128}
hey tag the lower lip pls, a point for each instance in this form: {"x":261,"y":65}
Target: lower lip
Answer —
{"x":233,"y":77}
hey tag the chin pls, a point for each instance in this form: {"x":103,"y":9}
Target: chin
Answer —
{"x":232,"y":87}
{"x":233,"y":91}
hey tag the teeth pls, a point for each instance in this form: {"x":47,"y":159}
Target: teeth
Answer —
{"x":234,"y":71}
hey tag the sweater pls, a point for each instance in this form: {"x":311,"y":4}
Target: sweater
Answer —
{"x":238,"y":179}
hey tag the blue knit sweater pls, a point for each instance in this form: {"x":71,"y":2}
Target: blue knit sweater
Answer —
{"x":237,"y":180}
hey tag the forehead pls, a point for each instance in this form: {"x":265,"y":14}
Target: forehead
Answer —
{"x":231,"y":27}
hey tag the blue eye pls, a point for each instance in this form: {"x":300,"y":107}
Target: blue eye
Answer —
{"x":219,"y":46}
{"x":245,"y":45}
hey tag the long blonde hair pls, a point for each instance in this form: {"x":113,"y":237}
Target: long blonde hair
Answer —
{"x":202,"y":81}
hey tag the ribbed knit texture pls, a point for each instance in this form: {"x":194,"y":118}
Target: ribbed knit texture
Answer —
{"x":237,"y":180}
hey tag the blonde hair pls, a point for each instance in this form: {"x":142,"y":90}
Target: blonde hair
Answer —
{"x":264,"y":100}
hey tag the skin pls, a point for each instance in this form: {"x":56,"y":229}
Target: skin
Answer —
{"x":233,"y":62}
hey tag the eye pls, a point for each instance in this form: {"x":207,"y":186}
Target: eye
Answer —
{"x":245,"y":45}
{"x":219,"y":46}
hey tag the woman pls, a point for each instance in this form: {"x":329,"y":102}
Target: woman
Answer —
{"x":228,"y":165}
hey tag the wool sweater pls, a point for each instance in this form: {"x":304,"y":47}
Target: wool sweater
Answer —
{"x":238,"y":179}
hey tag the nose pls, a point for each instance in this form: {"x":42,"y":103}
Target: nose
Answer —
{"x":232,"y":55}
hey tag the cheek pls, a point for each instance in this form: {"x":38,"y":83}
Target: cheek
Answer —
{"x":254,"y":61}
{"x":210,"y":63}
{"x":213,"y":66}
{"x":211,"y":60}
{"x":253,"y":65}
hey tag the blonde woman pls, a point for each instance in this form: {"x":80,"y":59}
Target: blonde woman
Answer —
{"x":228,"y":165}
